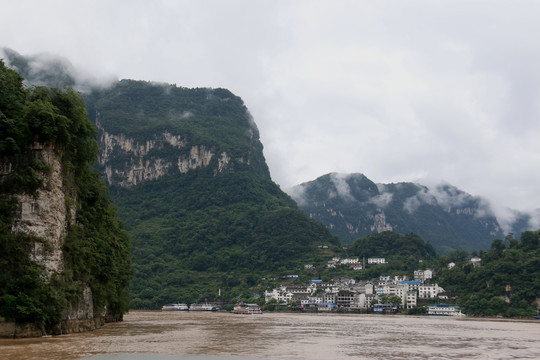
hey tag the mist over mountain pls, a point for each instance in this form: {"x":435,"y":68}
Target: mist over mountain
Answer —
{"x":53,"y":71}
{"x":353,"y":206}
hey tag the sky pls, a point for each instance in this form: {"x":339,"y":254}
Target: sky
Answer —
{"x":410,"y":90}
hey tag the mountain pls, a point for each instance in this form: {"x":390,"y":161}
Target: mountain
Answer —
{"x":186,"y":169}
{"x":187,"y":172}
{"x":352,"y":206}
{"x":64,"y":257}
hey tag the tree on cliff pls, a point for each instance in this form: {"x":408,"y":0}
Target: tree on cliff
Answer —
{"x":96,"y":250}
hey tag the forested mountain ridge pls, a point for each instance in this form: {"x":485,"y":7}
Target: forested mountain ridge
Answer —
{"x":353,"y":206}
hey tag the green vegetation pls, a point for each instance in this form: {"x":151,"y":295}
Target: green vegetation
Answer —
{"x":506,"y":283}
{"x":403,"y":253}
{"x":198,"y":232}
{"x":96,"y":250}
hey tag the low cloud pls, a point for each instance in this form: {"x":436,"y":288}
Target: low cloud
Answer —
{"x":54,"y":71}
{"x":449,"y":198}
{"x":297,"y":193}
{"x":411,"y":204}
{"x":382,"y":200}
{"x":341,"y":186}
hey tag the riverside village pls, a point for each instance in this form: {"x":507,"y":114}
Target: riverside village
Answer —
{"x":383,"y":295}
{"x":386,"y":295}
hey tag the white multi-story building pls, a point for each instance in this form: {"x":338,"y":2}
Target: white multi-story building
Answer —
{"x":376,"y":261}
{"x":330,"y":298}
{"x":426,"y":291}
{"x":411,"y":299}
{"x":423,"y":275}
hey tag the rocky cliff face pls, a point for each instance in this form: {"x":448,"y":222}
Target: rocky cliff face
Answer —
{"x":45,"y":215}
{"x":140,"y":160}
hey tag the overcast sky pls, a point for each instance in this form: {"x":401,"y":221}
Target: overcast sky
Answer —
{"x":399,"y":90}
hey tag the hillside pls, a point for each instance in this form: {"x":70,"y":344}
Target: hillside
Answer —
{"x":186,"y":170}
{"x":352,"y":206}
{"x":505,"y":282}
{"x":64,"y":258}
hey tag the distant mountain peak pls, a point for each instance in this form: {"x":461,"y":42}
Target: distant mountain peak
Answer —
{"x":352,"y":206}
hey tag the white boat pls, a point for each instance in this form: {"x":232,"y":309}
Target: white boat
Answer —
{"x":203,"y":307}
{"x":247,"y":309}
{"x":175,"y":307}
{"x":444,"y":310}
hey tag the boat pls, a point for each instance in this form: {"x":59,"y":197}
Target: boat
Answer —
{"x":203,"y":307}
{"x":175,"y":307}
{"x":247,"y":309}
{"x":444,"y":310}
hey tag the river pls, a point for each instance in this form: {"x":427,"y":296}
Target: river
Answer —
{"x":153,"y":335}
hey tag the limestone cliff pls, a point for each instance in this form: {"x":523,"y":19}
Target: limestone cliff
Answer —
{"x":142,"y":160}
{"x":44,"y":215}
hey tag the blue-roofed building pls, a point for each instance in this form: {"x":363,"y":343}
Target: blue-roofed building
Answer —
{"x":411,"y":284}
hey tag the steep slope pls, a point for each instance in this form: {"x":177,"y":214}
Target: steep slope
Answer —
{"x":64,"y":258}
{"x":186,"y":169}
{"x":352,"y":206}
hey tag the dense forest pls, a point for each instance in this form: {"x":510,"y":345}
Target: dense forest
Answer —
{"x":403,"y":253}
{"x":506,"y":283}
{"x":96,"y":248}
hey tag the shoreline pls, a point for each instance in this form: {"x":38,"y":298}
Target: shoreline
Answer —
{"x":462,"y":318}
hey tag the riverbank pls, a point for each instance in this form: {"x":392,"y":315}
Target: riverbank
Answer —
{"x":69,"y":326}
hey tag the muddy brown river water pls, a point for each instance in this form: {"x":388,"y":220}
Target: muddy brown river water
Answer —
{"x":147,"y":335}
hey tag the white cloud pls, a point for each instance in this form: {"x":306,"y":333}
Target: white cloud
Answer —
{"x":382,"y":200}
{"x":343,"y":189}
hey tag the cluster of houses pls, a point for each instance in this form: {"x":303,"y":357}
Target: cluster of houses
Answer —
{"x":344,"y":293}
{"x":353,"y":263}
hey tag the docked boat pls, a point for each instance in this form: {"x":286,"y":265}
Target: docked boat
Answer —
{"x":247,"y":309}
{"x":444,"y":310}
{"x":175,"y":307}
{"x":203,"y":307}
